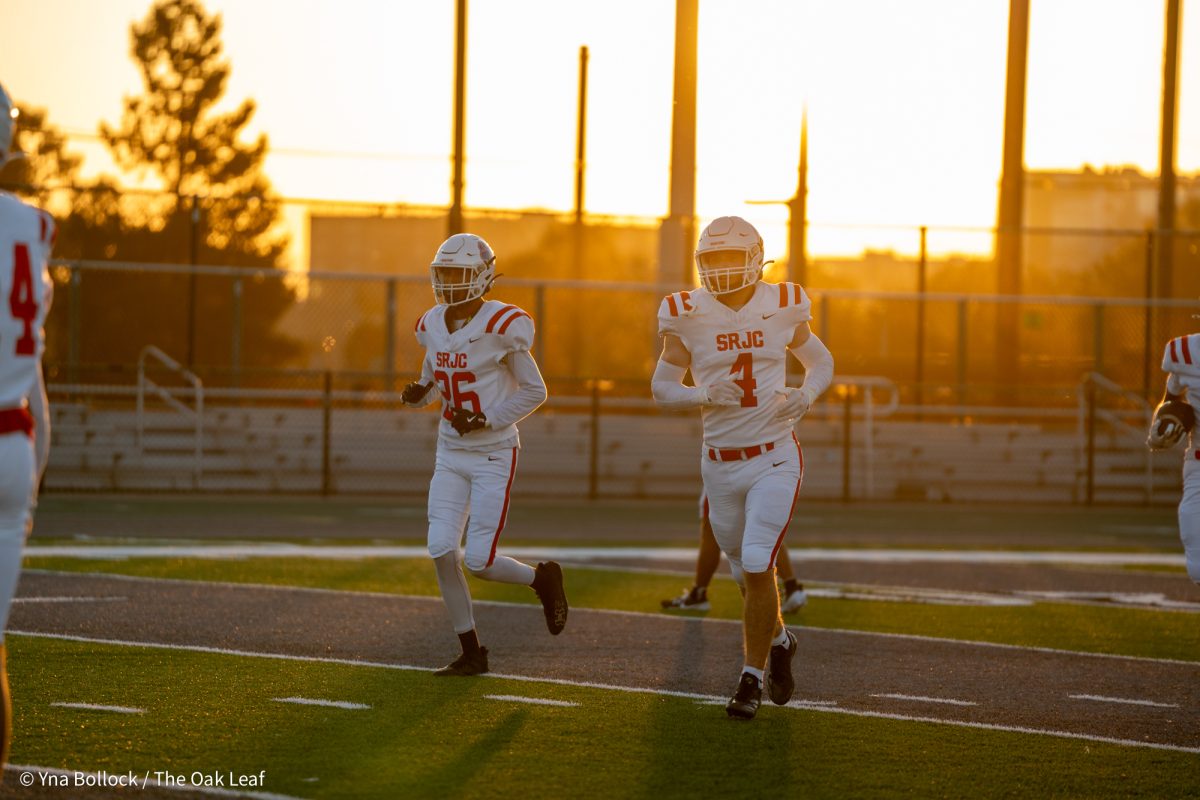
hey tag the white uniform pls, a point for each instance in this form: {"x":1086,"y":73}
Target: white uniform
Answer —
{"x":1181,"y":362}
{"x":483,"y":366}
{"x":26,"y":236}
{"x":751,"y":463}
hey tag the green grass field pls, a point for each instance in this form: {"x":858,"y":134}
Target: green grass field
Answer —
{"x":1094,"y":629}
{"x":428,"y":737}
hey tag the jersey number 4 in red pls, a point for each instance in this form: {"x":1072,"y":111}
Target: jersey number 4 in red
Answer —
{"x":453,"y":392}
{"x":743,"y":367}
{"x":21,"y":302}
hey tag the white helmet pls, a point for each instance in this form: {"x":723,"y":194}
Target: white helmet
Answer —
{"x":462,"y":270}
{"x":729,"y":256}
{"x":8,"y":124}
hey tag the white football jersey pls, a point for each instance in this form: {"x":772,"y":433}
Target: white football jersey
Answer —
{"x":750,"y":344}
{"x":469,"y":370}
{"x":26,"y":236}
{"x":1181,"y":362}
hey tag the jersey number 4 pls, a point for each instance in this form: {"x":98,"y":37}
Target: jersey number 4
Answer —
{"x":21,"y":302}
{"x":743,"y":366}
{"x":451,"y":385}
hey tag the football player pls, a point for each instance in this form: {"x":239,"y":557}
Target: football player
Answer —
{"x":735,"y":333}
{"x":1175,"y":416}
{"x":708,"y":558}
{"x":26,"y":237}
{"x":478,"y":363}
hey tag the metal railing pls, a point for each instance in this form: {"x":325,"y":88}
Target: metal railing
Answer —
{"x":1089,"y":413}
{"x":196,"y":414}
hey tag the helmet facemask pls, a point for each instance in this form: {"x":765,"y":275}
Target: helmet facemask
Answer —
{"x":728,"y":270}
{"x":463,"y":270}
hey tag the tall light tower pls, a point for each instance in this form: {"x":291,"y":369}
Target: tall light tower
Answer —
{"x":676,"y":236}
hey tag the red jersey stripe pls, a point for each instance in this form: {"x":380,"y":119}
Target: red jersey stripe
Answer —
{"x":783,"y":298}
{"x":685,"y":301}
{"x":1174,"y":355}
{"x":1187,"y":353}
{"x":419,"y":325}
{"x":509,"y":321}
{"x":496,"y":318}
{"x":671,"y":305}
{"x":796,"y":292}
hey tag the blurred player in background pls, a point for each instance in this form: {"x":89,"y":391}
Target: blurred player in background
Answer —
{"x":26,"y":237}
{"x":734,"y":334}
{"x":477,"y":354}
{"x":1175,"y":416}
{"x":708,"y":558}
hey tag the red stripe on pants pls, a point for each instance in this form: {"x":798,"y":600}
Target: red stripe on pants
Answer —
{"x":512,"y":471}
{"x":792,"y":510}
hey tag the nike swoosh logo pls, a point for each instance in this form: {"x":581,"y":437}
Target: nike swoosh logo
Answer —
{"x":473,"y":341}
{"x":768,"y":316}
{"x":777,"y":463}
{"x":493,"y":458}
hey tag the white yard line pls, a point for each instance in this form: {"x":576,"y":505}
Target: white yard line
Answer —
{"x":143,"y":780}
{"x":356,"y":552}
{"x":608,"y":687}
{"x":659,"y":615}
{"x":92,"y":707}
{"x":305,"y":701}
{"x":1103,"y":699}
{"x":916,"y":698}
{"x":539,"y":701}
{"x":69,"y":599}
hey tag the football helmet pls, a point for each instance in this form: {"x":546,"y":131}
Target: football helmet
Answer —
{"x":8,"y":125}
{"x":729,"y":255}
{"x":463,"y":269}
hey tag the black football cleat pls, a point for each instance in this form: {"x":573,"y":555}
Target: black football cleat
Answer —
{"x":466,"y":664}
{"x":745,"y":701}
{"x":548,"y":583}
{"x":779,"y":680}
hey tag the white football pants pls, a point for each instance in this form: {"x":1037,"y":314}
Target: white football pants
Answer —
{"x":470,"y":491}
{"x":16,"y":513}
{"x":1189,"y":514}
{"x":750,"y":503}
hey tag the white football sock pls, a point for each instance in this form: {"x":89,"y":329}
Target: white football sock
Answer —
{"x":781,"y":639}
{"x":455,"y":593}
{"x":506,"y":570}
{"x":758,"y":673}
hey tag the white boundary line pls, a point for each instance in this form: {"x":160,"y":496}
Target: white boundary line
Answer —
{"x":920,"y":699}
{"x":147,"y":781}
{"x":659,"y":615}
{"x":69,"y":599}
{"x":305,"y":701}
{"x":610,"y":687}
{"x":92,"y":707}
{"x":1103,"y":699}
{"x":540,"y":701}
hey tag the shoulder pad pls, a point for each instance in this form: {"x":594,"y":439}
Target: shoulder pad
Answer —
{"x":793,"y":296}
{"x":1182,"y":355}
{"x":513,"y":324}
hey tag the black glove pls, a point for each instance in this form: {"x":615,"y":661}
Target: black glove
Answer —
{"x":415,"y":392}
{"x":465,"y":421}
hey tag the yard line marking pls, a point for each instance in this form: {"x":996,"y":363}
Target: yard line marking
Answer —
{"x":920,"y":699}
{"x":1102,"y":699}
{"x":690,"y":620}
{"x":358,"y":552}
{"x":66,"y":599}
{"x":541,"y":701}
{"x":801,"y":704}
{"x":144,"y":781}
{"x":92,"y":707}
{"x":611,"y":687}
{"x":305,"y":701}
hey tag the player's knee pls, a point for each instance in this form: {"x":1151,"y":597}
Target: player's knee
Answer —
{"x":739,"y":575}
{"x":476,"y":565}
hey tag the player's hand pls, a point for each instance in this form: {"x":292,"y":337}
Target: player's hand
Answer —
{"x":414,"y":393}
{"x":465,"y":421}
{"x":1172,"y":419}
{"x":795,"y":403}
{"x":723,"y":393}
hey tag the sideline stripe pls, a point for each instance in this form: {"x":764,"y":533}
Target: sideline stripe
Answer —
{"x":686,"y":554}
{"x":305,"y":701}
{"x":610,"y":687}
{"x":1102,"y":699}
{"x":92,"y":707}
{"x":69,"y":599}
{"x":615,"y":612}
{"x":541,"y":701}
{"x":919,"y":699}
{"x":145,"y":781}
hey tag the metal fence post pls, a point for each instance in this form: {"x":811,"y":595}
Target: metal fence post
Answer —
{"x":846,"y":443}
{"x":539,"y":310}
{"x":1098,"y":339}
{"x":326,"y":415}
{"x":594,"y":445}
{"x":235,"y":354}
{"x":389,"y":335}
{"x":962,"y":352}
{"x":922,"y":265}
{"x":1148,"y":353}
{"x":1091,"y":441}
{"x":74,"y":312}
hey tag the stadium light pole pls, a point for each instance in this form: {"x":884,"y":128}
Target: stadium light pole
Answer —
{"x":676,"y":234}
{"x":578,"y":343}
{"x":455,"y":221}
{"x":1166,"y":159}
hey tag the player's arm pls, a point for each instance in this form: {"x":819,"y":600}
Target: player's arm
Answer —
{"x":418,"y":394}
{"x":818,"y":373}
{"x":668,"y":388}
{"x":1173,"y":417}
{"x":39,"y":407}
{"x":530,"y":393}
